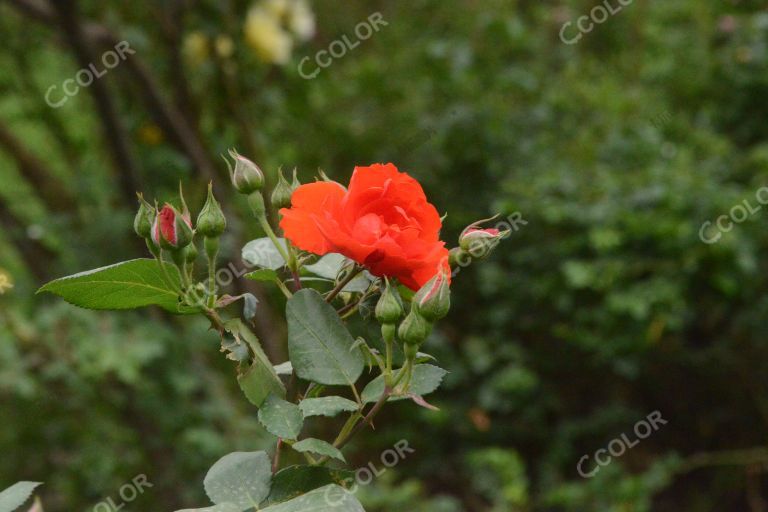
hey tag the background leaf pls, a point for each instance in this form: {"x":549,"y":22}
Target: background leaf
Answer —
{"x":240,"y":478}
{"x":263,"y":253}
{"x":320,"y":346}
{"x":125,"y":285}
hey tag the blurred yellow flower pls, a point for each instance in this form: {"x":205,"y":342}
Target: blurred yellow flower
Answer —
{"x":6,"y":283}
{"x":278,"y":8}
{"x":225,"y":47}
{"x":301,"y":20}
{"x":265,"y":35}
{"x":150,"y":134}
{"x":195,"y":48}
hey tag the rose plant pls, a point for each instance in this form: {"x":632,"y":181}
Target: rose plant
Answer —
{"x":343,"y":248}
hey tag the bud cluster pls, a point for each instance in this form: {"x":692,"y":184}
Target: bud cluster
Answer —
{"x":430,"y":304}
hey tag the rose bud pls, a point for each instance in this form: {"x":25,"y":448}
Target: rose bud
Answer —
{"x":433,"y":300}
{"x":281,"y":196}
{"x":246,"y":176}
{"x":211,"y":221}
{"x":145,"y":217}
{"x":480,"y":242}
{"x":295,"y":183}
{"x":389,"y":309}
{"x":190,"y":253}
{"x":171,"y":230}
{"x":414,"y":329}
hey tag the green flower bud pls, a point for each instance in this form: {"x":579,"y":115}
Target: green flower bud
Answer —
{"x":414,"y":329}
{"x":295,"y":183}
{"x":281,"y":195}
{"x":246,"y":175}
{"x":433,"y":300}
{"x":211,"y":221}
{"x":145,"y":217}
{"x":190,"y":253}
{"x":389,"y":309}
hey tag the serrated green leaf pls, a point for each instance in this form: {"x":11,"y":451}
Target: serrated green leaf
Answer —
{"x":326,"y":406}
{"x":257,"y":379}
{"x":330,"y":498}
{"x":281,"y":418}
{"x":318,"y":446}
{"x":263,"y":274}
{"x":426,"y":379}
{"x":240,"y":478}
{"x":15,"y":496}
{"x":263,"y":253}
{"x":320,"y":346}
{"x":294,"y":481}
{"x":126,"y":285}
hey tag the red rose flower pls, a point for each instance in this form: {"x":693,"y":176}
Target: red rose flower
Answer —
{"x":383,"y":222}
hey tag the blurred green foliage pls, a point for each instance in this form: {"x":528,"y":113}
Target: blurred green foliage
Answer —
{"x":603,"y":307}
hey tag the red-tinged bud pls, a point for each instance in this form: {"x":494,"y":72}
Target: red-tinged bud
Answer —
{"x":433,"y":300}
{"x":414,"y":329}
{"x":480,"y":242}
{"x":171,"y":230}
{"x":145,"y":217}
{"x":246,"y":175}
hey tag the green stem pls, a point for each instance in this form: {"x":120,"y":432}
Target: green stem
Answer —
{"x":344,"y":282}
{"x":283,"y":288}
{"x":271,"y":234}
{"x":171,"y":282}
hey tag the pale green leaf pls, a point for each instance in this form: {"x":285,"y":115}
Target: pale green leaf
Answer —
{"x":263,"y":253}
{"x":285,"y":368}
{"x":326,"y":406}
{"x":281,"y":418}
{"x":331,"y":264}
{"x":224,"y":507}
{"x":16,"y":495}
{"x":240,"y":478}
{"x":318,"y":446}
